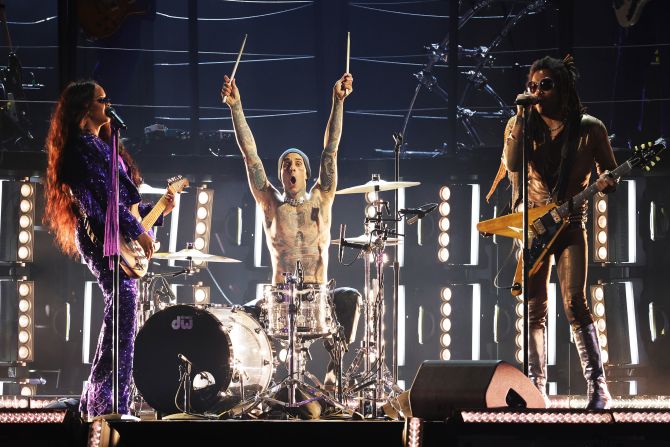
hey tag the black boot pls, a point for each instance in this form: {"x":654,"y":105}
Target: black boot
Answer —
{"x":588,"y":348}
{"x":537,"y":361}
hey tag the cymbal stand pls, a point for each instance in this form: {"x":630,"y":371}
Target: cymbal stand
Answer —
{"x":375,"y":383}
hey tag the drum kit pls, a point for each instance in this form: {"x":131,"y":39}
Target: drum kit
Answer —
{"x":219,"y":361}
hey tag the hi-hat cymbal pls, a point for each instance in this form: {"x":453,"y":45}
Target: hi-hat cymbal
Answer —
{"x":193,"y":254}
{"x":376,"y":185}
{"x":365,"y":239}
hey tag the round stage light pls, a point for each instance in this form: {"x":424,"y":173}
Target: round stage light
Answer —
{"x":24,"y":289}
{"x":203,"y":197}
{"x":26,"y":190}
{"x":445,"y":193}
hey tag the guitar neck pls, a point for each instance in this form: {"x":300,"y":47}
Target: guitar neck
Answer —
{"x":565,"y":209}
{"x":151,"y":218}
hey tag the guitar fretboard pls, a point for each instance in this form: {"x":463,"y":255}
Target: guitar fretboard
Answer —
{"x":592,"y":189}
{"x":151,"y":218}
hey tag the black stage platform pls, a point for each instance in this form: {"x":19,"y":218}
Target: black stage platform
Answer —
{"x":579,"y":428}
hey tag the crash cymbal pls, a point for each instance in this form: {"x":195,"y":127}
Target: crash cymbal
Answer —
{"x":365,"y":239}
{"x":376,"y":185}
{"x":193,"y":254}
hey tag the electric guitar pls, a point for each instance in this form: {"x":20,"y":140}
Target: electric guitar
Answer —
{"x":133,"y":259}
{"x":546,"y":222}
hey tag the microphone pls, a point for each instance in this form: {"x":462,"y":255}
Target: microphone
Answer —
{"x":116,"y":119}
{"x":417,"y":213}
{"x":340,"y":253}
{"x":183,"y":358}
{"x":524,"y":99}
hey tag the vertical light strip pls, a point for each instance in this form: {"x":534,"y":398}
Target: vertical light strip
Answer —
{"x":260,"y":288}
{"x":476,"y":319}
{"x":632,"y":324}
{"x":401,"y":325}
{"x":67,"y":321}
{"x":652,"y":219}
{"x":474,"y":219}
{"x":258,"y":236}
{"x":496,"y":317}
{"x":86,"y":328}
{"x":419,"y":326}
{"x":552,"y":388}
{"x":551,"y":324}
{"x":632,"y":387}
{"x":632,"y":221}
{"x":652,"y":322}
{"x":174,"y":227}
{"x":401,"y":228}
{"x":239,"y":227}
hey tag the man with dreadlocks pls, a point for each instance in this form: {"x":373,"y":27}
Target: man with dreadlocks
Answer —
{"x":564,"y":144}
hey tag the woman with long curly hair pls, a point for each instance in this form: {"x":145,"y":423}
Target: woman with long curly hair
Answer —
{"x":77,"y":185}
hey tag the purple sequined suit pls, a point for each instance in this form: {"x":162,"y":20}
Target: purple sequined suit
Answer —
{"x":88,"y":177}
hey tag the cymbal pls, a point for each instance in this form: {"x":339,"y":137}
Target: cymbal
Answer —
{"x":193,"y":254}
{"x":365,"y":239}
{"x":376,"y":185}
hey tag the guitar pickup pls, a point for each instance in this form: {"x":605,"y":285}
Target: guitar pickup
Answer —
{"x":539,"y":227}
{"x":555,"y":215}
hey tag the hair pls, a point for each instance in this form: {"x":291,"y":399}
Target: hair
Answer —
{"x":61,"y":211}
{"x":564,"y":73}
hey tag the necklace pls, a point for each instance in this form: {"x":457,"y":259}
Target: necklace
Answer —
{"x":560,"y":125}
{"x":293,"y":202}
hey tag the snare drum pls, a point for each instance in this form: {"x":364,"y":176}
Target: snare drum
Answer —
{"x":230,"y":354}
{"x":314,"y":318}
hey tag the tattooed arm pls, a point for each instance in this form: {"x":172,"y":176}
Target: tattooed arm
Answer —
{"x":259,"y":184}
{"x":328,"y":173}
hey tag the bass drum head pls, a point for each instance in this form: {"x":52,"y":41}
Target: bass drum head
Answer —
{"x":194,"y":333}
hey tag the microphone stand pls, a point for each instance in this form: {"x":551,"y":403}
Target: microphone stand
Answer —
{"x":398,"y":139}
{"x":525,"y":160}
{"x":116,"y":278}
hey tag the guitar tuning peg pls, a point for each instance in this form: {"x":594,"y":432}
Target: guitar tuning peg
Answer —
{"x":657,"y":158}
{"x":647,"y":168}
{"x":642,"y":146}
{"x":652,"y":164}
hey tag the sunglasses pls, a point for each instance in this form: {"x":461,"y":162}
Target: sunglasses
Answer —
{"x":104,"y":100}
{"x":545,"y":85}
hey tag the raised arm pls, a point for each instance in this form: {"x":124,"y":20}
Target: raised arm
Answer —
{"x":328,"y":172}
{"x":261,"y":188}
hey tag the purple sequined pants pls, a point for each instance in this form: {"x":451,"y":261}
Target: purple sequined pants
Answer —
{"x":96,"y":398}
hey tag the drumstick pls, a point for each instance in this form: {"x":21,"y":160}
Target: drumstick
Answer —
{"x":346,"y":91}
{"x":348,"y":49}
{"x":237,"y":62}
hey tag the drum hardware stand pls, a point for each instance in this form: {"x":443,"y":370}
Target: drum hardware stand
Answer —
{"x":376,"y":375}
{"x":295,"y":364}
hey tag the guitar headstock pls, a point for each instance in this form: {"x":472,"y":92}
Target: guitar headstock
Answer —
{"x":646,"y":155}
{"x":177,"y":184}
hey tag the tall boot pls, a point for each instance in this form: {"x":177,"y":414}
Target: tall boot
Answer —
{"x":537,"y":361}
{"x":588,"y":348}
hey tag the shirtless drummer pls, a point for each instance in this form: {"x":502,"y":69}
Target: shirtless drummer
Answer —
{"x":297,"y":222}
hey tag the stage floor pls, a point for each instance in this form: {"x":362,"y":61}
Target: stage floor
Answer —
{"x":552,"y":427}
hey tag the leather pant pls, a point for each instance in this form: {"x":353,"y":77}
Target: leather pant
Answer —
{"x":570,"y":252}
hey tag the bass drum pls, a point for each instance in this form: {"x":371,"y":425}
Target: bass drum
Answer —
{"x":230,"y":354}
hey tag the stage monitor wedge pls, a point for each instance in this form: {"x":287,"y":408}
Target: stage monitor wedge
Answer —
{"x":442,"y":386}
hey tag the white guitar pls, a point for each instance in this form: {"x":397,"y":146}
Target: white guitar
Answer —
{"x":133,"y":259}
